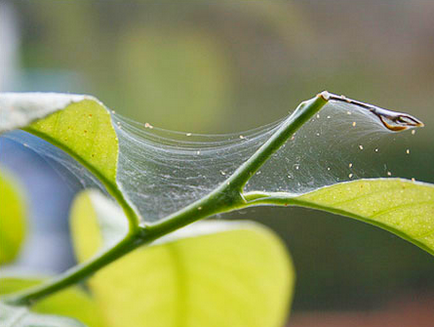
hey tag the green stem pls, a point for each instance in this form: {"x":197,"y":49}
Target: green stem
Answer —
{"x":226,"y":197}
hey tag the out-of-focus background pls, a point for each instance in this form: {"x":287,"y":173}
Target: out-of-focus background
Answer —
{"x":227,"y":66}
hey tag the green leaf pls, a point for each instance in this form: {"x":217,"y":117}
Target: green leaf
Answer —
{"x":12,"y":218}
{"x":402,"y":207}
{"x":71,"y":302}
{"x":14,"y":316}
{"x":80,"y":125}
{"x":213,"y":273}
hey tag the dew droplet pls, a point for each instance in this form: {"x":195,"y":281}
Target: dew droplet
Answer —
{"x":188,"y":134}
{"x":376,"y":150}
{"x":328,"y":117}
{"x":350,"y":175}
{"x":407,"y":151}
{"x":147,"y":125}
{"x":317,"y":116}
{"x":389,"y":173}
{"x":354,"y":124}
{"x":297,"y":166}
{"x":242,"y":137}
{"x":360,"y":147}
{"x":222,"y":172}
{"x":413,"y":132}
{"x":197,"y":152}
{"x":350,"y":165}
{"x":328,"y":168}
{"x":413,"y":179}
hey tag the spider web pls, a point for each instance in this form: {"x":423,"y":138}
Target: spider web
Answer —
{"x":161,"y":171}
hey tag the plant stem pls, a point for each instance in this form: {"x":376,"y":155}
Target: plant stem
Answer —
{"x":226,"y":197}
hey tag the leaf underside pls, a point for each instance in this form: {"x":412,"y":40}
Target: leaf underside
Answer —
{"x":14,"y":316}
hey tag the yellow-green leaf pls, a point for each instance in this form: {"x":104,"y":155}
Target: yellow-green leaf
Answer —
{"x":72,"y":302}
{"x":213,"y":273}
{"x":78,"y":124}
{"x":81,"y":126}
{"x":403,"y":207}
{"x":12,"y":218}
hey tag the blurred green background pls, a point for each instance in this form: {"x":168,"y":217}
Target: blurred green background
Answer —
{"x":226,"y":66}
